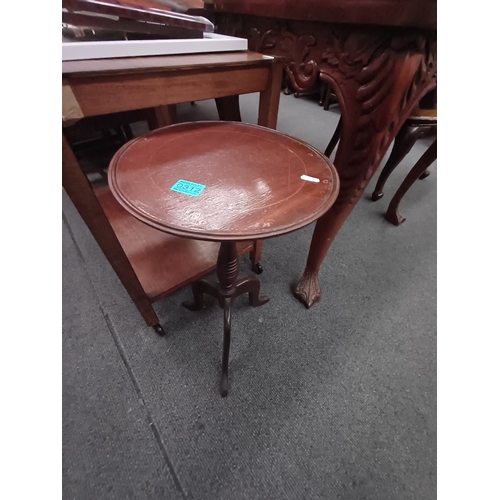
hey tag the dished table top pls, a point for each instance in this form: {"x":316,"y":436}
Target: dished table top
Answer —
{"x":257,"y":182}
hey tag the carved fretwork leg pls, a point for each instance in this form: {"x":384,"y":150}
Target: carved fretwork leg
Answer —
{"x":403,"y":143}
{"x":392,"y":214}
{"x":378,"y":78}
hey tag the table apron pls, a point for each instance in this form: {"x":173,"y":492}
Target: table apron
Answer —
{"x":111,"y":94}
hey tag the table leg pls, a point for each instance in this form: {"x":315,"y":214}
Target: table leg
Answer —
{"x":334,"y":140}
{"x":229,"y":108}
{"x":250,"y":285}
{"x":81,"y":194}
{"x":227,"y":273}
{"x":225,"y":292}
{"x":199,"y":288}
{"x":392,"y":214}
{"x":255,"y":256}
{"x":166,"y":115}
{"x":270,"y":98}
{"x":378,"y":81}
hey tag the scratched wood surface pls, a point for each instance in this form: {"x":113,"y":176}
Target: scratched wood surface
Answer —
{"x":254,"y":178}
{"x":163,"y":262}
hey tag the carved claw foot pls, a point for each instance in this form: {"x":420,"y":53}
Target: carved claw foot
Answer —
{"x":159,"y":330}
{"x":308,"y":290}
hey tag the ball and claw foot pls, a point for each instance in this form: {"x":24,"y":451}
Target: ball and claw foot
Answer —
{"x":308,"y":290}
{"x":159,"y":330}
{"x":257,"y":268}
{"x":376,"y":195}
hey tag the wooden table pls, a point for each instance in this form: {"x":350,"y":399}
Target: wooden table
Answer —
{"x":139,"y":254}
{"x":380,"y":57}
{"x":226,"y":182}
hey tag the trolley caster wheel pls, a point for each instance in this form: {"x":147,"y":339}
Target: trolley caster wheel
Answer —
{"x":257,"y":268}
{"x":159,"y":330}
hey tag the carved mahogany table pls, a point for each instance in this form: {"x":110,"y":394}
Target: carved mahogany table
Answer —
{"x":227,"y":182}
{"x":380,"y":58}
{"x":92,"y":88}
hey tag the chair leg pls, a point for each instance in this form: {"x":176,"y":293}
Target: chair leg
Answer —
{"x":127,"y":130}
{"x":255,"y":256}
{"x":392,"y":214}
{"x":328,"y":94}
{"x":152,"y":119}
{"x":333,"y":141}
{"x":403,"y":142}
{"x":322,"y":93}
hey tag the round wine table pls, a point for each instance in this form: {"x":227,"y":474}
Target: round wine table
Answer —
{"x":224,"y":182}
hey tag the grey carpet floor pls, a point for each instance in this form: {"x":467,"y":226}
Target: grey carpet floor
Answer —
{"x":338,"y":401}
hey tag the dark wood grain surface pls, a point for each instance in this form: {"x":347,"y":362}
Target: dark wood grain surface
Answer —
{"x":252,"y":176}
{"x":152,"y":252}
{"x":404,"y":13}
{"x":164,"y":63}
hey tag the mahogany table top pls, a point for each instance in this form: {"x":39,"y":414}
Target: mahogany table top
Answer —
{"x":249,"y":181}
{"x":402,"y":13}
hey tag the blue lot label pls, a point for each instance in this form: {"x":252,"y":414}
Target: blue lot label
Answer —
{"x":188,"y":187}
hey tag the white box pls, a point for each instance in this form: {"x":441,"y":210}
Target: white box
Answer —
{"x":211,"y":42}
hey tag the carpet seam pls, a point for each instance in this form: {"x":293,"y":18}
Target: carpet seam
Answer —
{"x":121,"y":351}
